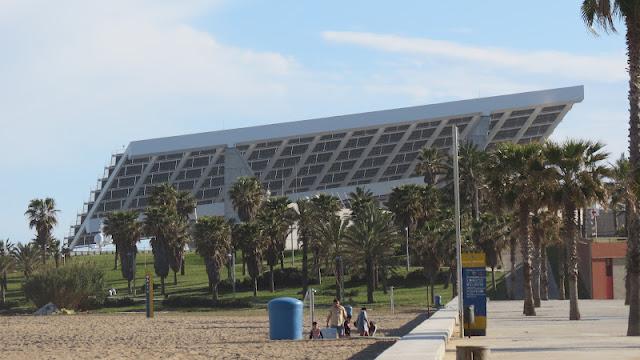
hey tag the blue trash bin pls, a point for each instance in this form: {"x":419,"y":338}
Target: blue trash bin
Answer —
{"x":285,"y":319}
{"x":349,"y":310}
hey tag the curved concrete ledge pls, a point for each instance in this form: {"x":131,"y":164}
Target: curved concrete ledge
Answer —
{"x":427,"y":340}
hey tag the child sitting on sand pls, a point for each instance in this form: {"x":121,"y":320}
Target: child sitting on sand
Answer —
{"x":372,"y":328}
{"x":347,"y":326}
{"x":315,"y":332}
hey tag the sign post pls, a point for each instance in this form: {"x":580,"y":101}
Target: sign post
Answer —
{"x":148,"y":282}
{"x":474,"y":280}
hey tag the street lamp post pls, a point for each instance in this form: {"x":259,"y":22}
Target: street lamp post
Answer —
{"x":456,"y":195}
{"x":406,"y":231}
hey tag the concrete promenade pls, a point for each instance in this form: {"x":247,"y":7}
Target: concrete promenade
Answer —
{"x":550,"y":335}
{"x":427,"y":340}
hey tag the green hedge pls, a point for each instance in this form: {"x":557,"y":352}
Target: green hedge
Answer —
{"x":74,"y":286}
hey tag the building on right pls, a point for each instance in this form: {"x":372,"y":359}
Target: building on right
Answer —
{"x":603,"y":255}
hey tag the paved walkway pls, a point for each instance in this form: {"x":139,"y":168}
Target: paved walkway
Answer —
{"x":550,"y":335}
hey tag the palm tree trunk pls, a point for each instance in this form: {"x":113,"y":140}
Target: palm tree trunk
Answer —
{"x":244,"y":262}
{"x":338,"y":274}
{"x":432,"y":283}
{"x":562,"y":270}
{"x":255,"y":286}
{"x":182,"y":271}
{"x":572,"y":255}
{"x":115,"y":260}
{"x":513,"y":245}
{"x":175,"y":278}
{"x":524,"y":225}
{"x":536,"y":268}
{"x":215,"y":293}
{"x":476,"y":203}
{"x":370,"y":276}
{"x":129,"y":286}
{"x":493,"y":280}
{"x":271,"y":280}
{"x":2,"y":295}
{"x":544,"y":274}
{"x":633,"y":239}
{"x":162,"y":285}
{"x":454,"y":281}
{"x":305,"y":264}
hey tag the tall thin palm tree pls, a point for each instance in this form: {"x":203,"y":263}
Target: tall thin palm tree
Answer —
{"x":331,"y":235}
{"x":125,"y":230}
{"x":274,"y":221}
{"x":431,"y":242}
{"x":545,"y":232}
{"x":158,"y":225}
{"x":603,"y":13}
{"x":185,"y":205}
{"x":306,"y":222}
{"x":324,"y":207}
{"x":369,"y":240}
{"x":472,"y":166}
{"x":254,"y":249}
{"x":622,"y":197}
{"x":517,"y":171}
{"x":579,"y":172}
{"x":43,"y":217}
{"x":432,"y":163}
{"x":212,"y":235}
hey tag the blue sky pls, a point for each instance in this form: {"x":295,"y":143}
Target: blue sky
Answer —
{"x":80,"y":79}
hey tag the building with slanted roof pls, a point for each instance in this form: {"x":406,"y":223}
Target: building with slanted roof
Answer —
{"x":377,"y":150}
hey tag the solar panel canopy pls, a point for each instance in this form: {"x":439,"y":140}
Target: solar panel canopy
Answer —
{"x":377,"y":150}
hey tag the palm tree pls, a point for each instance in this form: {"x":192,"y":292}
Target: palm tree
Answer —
{"x":331,"y":234}
{"x":472,"y":166}
{"x":490,"y":235}
{"x":42,"y":215}
{"x":622,"y":195}
{"x":212,"y":235}
{"x":306,"y":221}
{"x":157,"y":224}
{"x":185,"y":205}
{"x":432,"y":163}
{"x":6,"y":249}
{"x":406,"y":203}
{"x":164,"y":195}
{"x":274,"y":220}
{"x":323,"y":207}
{"x":545,"y":231}
{"x":370,"y":240}
{"x":250,"y":232}
{"x":603,"y":13}
{"x":125,"y":230}
{"x":359,"y":199}
{"x":518,"y":172}
{"x":247,"y":195}
{"x":579,"y":173}
{"x":431,"y":244}
{"x":26,"y":258}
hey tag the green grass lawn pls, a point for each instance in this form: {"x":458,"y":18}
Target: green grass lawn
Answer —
{"x":195,"y":283}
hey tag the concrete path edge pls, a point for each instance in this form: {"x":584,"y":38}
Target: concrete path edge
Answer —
{"x":429,"y":339}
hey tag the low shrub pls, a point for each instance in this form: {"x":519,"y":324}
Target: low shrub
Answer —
{"x":119,"y":302}
{"x":178,"y":301}
{"x":73,"y":286}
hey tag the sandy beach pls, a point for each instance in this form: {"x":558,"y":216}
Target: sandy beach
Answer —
{"x":241,"y":335}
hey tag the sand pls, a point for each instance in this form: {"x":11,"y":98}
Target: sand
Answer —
{"x":240,"y":335}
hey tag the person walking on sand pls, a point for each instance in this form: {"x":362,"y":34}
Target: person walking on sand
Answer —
{"x":336,"y":317}
{"x":362,"y":323}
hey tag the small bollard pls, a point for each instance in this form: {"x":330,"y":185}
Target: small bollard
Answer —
{"x":472,"y":353}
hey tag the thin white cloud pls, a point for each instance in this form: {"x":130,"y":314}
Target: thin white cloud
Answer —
{"x":603,"y":68}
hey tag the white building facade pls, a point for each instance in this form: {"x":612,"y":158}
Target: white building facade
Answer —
{"x":377,"y":150}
